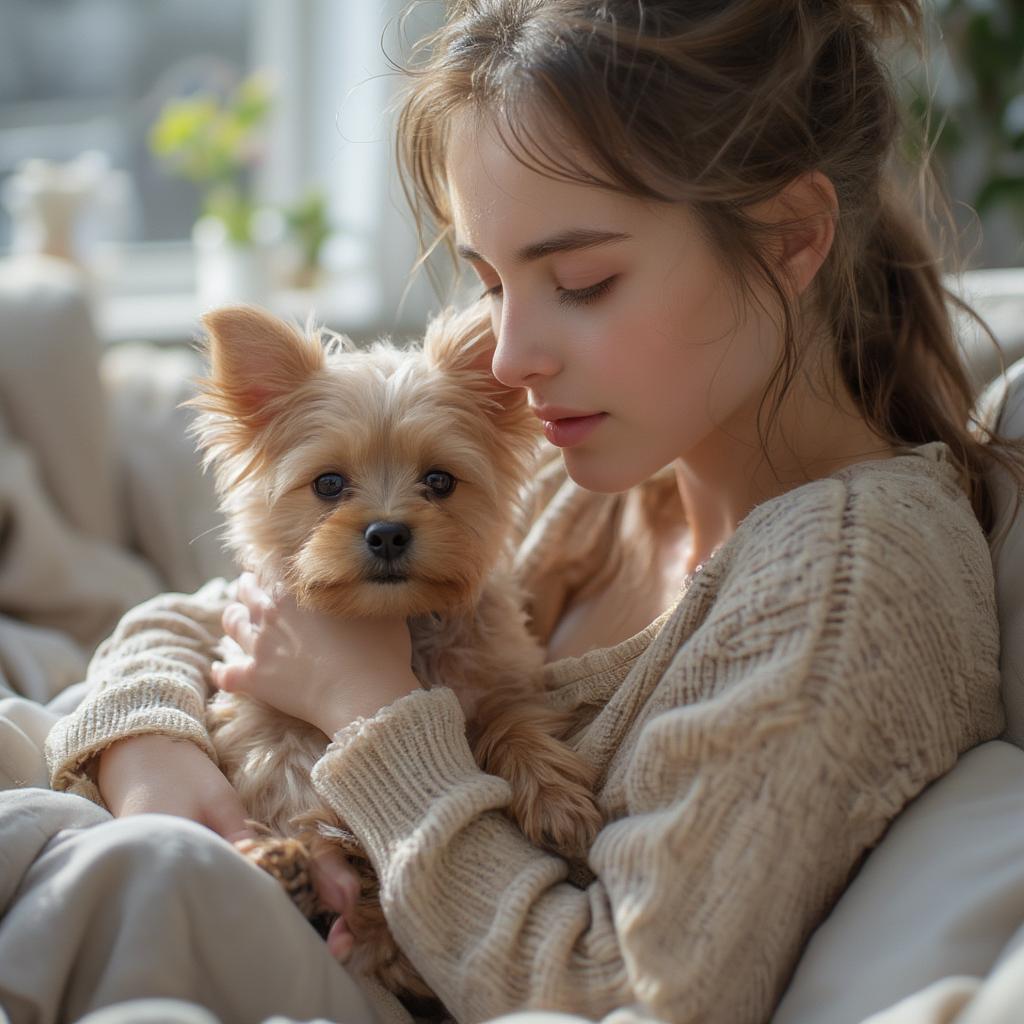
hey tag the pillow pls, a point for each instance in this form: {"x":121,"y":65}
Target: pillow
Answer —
{"x":997,"y":296}
{"x":940,"y":896}
{"x":49,"y":358}
{"x":943,"y":893}
{"x":1007,"y":402}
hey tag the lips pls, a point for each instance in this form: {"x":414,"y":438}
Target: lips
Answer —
{"x":572,"y":430}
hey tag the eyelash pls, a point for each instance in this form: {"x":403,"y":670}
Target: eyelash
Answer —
{"x":570,"y":296}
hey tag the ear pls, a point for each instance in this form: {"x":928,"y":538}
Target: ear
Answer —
{"x":256,"y":361}
{"x":463,"y":343}
{"x":806,"y":211}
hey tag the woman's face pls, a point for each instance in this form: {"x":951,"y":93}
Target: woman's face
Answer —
{"x":607,"y":304}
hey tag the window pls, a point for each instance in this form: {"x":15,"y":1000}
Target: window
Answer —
{"x":78,"y":75}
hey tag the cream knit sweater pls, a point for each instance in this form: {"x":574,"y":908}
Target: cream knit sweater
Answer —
{"x":833,"y":658}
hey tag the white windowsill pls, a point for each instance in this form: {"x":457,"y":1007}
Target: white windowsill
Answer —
{"x":146,"y":292}
{"x":349,"y":306}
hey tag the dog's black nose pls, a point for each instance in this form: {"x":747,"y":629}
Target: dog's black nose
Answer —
{"x":388,"y":540}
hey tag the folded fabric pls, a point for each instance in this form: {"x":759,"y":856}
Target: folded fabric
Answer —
{"x":938,"y":898}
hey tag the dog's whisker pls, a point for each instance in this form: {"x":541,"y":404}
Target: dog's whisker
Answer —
{"x":206,"y":533}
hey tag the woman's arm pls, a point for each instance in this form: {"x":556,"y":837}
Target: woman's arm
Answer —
{"x":149,"y":677}
{"x":771,"y":738}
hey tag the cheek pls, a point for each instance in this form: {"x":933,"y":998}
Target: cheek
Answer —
{"x":318,"y":538}
{"x":708,"y":353}
{"x":659,"y":349}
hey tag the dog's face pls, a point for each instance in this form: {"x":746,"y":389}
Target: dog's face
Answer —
{"x":369,"y":482}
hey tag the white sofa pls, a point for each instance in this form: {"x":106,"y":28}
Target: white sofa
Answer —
{"x":939,"y":903}
{"x":102,"y":504}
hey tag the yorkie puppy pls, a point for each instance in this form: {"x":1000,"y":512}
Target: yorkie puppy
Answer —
{"x":379,"y":482}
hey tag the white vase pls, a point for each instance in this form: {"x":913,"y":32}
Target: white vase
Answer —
{"x":50,"y":204}
{"x":228,"y":273}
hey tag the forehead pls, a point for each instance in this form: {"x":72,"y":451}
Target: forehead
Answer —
{"x":499,"y":204}
{"x":370,"y":413}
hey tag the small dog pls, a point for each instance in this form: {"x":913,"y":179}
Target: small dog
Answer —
{"x":373,"y":482}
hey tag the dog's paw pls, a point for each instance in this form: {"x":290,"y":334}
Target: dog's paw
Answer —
{"x":288,"y":861}
{"x":563,"y":817}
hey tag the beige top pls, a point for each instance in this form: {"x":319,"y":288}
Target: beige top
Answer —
{"x":834,"y":657}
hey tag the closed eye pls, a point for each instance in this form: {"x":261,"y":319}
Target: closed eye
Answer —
{"x":584,"y":296}
{"x":568,"y":296}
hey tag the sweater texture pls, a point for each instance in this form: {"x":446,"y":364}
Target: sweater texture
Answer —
{"x":832,"y":659}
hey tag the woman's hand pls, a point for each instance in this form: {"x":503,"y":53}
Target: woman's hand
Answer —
{"x":159,"y":775}
{"x":318,"y":668}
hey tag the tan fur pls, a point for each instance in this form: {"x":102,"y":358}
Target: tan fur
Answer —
{"x":277,"y":411}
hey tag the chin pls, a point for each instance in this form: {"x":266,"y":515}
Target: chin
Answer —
{"x":370,"y":598}
{"x":605,"y":475}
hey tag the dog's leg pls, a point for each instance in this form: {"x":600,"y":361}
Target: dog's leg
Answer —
{"x":288,"y":860}
{"x":552,"y":786}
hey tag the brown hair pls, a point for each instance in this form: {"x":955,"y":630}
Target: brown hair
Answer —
{"x":728,"y":101}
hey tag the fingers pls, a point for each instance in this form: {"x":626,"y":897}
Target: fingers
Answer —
{"x":337,"y":885}
{"x":254,"y":598}
{"x":232,"y":678}
{"x":340,"y":941}
{"x":336,"y":881}
{"x":241,"y":621}
{"x":238,"y":625}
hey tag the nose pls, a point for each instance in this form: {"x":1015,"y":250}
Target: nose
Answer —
{"x":387,"y":540}
{"x":523,"y":353}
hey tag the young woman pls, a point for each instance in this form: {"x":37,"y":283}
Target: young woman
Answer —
{"x":760,"y":568}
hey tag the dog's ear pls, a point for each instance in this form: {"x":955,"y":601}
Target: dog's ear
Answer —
{"x":256,"y":361}
{"x":463,"y":342}
{"x":460,"y":340}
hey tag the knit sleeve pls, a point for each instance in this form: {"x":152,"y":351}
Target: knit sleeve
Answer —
{"x":150,"y":676}
{"x":832,"y":660}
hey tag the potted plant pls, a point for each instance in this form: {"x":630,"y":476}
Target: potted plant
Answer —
{"x":214,"y":143}
{"x":308,"y":227}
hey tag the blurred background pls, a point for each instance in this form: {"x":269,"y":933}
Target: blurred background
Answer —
{"x":186,"y":153}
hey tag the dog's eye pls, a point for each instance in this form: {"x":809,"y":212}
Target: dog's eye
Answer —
{"x":440,"y":482}
{"x":329,"y":485}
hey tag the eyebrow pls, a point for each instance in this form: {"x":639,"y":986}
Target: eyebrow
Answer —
{"x":564,"y":241}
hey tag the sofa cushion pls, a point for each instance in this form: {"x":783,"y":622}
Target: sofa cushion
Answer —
{"x":1005,"y":404}
{"x":169,"y":502}
{"x":943,"y":892}
{"x":940,"y":896}
{"x":998,"y":297}
{"x":50,"y":391}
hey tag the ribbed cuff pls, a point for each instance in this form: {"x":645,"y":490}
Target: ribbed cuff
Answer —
{"x":408,"y":767}
{"x":159,"y":706}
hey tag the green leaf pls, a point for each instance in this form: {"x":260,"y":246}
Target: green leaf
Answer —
{"x":1000,"y":190}
{"x":213,"y":142}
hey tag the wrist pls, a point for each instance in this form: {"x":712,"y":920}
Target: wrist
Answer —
{"x":376,"y":694}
